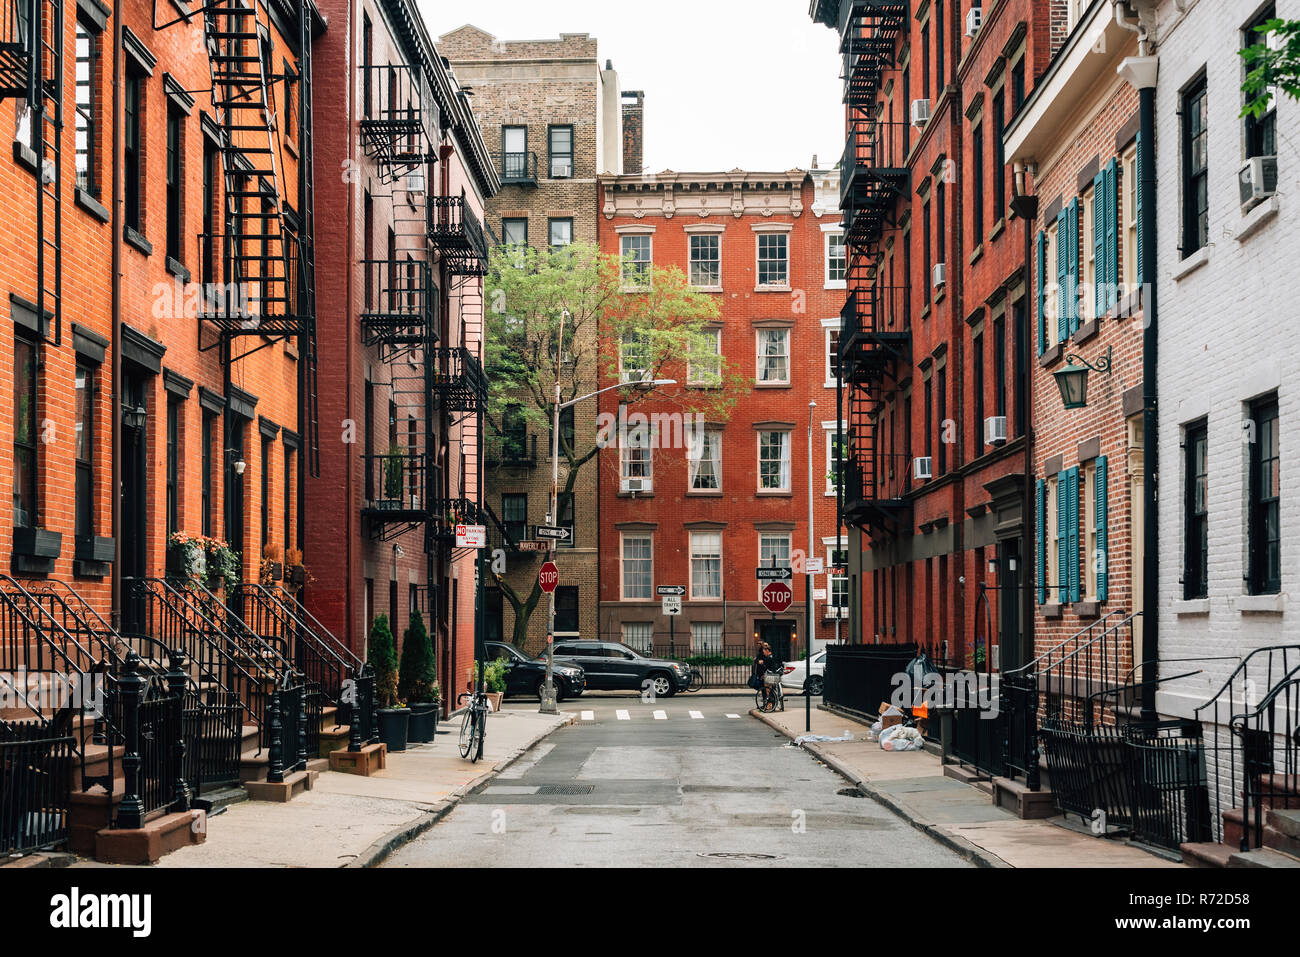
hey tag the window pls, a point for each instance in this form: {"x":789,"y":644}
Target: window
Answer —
{"x":1196,"y":521}
{"x":925,"y":60}
{"x":88,"y":60}
{"x":638,"y":566}
{"x":175,"y":182}
{"x":977,"y":177}
{"x":367,"y":81}
{"x":1265,"y":574}
{"x":636,"y":261}
{"x":773,"y":551}
{"x":704,"y":366}
{"x":368,"y":248}
{"x":706,"y":565}
{"x":266,"y":491}
{"x":288,"y":496}
{"x":929,"y":417}
{"x":834,"y":461}
{"x":1000,"y":365}
{"x":514,"y":159}
{"x":941,"y":222}
{"x":564,"y":518}
{"x":566,"y":610}
{"x":515,"y":231}
{"x":999,"y":158}
{"x":210,"y":250}
{"x":634,"y":359}
{"x":1196,"y":194}
{"x":26,"y":416}
{"x":1090,"y":514}
{"x":773,"y":259}
{"x":514,"y":515}
{"x":514,"y":434}
{"x":566,"y":432}
{"x":941,"y":386}
{"x":1067,"y":535}
{"x":635,"y":464}
{"x":927,"y":228}
{"x":704,"y":460}
{"x":132,"y":147}
{"x":208,"y":504}
{"x":561,"y":152}
{"x":1130,"y":214}
{"x":1052,"y":288}
{"x":706,"y":637}
{"x":977,"y":388}
{"x":837,"y":566}
{"x":1261,"y":134}
{"x":173,"y":457}
{"x":774,"y":461}
{"x":1054,"y":546}
{"x":85,"y":449}
{"x":638,"y":634}
{"x":774,"y":356}
{"x":940,"y":79}
{"x":706,"y":261}
{"x":1092,"y":295}
{"x":832,"y":356}
{"x":837,"y":261}
{"x":561,"y":231}
{"x":290,"y":101}
{"x":1017,"y":86}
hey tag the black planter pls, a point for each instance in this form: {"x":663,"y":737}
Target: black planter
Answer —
{"x":277,"y":571}
{"x":424,"y":721}
{"x":394,"y":724}
{"x":297,"y":575}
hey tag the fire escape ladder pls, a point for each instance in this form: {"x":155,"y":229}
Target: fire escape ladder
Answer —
{"x":307,"y":270}
{"x":42,"y":118}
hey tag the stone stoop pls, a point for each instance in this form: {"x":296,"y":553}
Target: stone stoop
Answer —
{"x":1025,"y":804}
{"x":1206,"y":854}
{"x":282,"y":791}
{"x":159,"y":836}
{"x":1263,"y":857}
{"x":968,"y":776}
{"x":371,"y":758}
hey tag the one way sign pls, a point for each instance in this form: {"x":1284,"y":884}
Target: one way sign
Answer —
{"x":678,"y":590}
{"x":554,"y":532}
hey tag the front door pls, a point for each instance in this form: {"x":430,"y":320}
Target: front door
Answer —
{"x":134,"y":489}
{"x":778,"y":634}
{"x":1009,"y":656}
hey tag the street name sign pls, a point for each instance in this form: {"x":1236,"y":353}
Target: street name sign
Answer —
{"x":528,"y":545}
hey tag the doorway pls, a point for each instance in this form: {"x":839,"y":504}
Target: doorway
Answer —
{"x":779,"y":635}
{"x":134,"y":492}
{"x":1009,"y":630}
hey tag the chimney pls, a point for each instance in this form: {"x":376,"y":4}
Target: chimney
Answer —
{"x":633,"y":130}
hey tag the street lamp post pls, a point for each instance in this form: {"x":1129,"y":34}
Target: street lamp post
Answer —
{"x":807,"y":587}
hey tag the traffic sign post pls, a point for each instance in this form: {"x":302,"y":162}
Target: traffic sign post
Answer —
{"x":670,"y":597}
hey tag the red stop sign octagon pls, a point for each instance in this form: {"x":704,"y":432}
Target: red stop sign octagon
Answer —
{"x":549,"y":577}
{"x":777,"y":596}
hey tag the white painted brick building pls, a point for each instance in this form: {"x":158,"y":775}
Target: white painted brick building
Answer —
{"x":1227,"y":338}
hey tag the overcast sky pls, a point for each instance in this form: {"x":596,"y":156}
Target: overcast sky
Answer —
{"x":727,"y":83}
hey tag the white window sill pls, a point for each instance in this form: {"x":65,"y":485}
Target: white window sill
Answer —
{"x":706,"y":288}
{"x":836,"y":284}
{"x":1257,"y":218}
{"x":1192,"y":606}
{"x":1192,"y":263}
{"x":772,"y":288}
{"x":1275,"y":604}
{"x":830,"y":384}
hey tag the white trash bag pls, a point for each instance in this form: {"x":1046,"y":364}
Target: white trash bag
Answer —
{"x":899,"y":738}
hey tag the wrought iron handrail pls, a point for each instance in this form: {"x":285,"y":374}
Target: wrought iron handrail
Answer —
{"x":1028,"y":667}
{"x":451,"y":219}
{"x":518,"y":166}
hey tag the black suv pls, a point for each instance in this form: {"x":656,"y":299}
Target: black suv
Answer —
{"x":527,"y":676}
{"x":611,"y":666}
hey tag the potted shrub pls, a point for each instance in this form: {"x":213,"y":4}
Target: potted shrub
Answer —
{"x":393,"y":715}
{"x":295,"y":574}
{"x":272,"y":567}
{"x":394,"y":468}
{"x":418,"y":682}
{"x":494,"y":681}
{"x":186,"y":558}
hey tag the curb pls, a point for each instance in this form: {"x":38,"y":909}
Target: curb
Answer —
{"x":959,"y":845}
{"x":381,"y":849}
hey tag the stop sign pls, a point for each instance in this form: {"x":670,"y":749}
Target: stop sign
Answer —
{"x":777,"y":596}
{"x":549,"y":577}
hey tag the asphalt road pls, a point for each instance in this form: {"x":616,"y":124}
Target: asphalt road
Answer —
{"x":681,"y":782}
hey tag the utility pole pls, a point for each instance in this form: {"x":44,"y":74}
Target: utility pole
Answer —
{"x":807,"y":588}
{"x":552,"y":518}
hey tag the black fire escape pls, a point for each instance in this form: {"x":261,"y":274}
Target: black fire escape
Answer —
{"x":874,"y":339}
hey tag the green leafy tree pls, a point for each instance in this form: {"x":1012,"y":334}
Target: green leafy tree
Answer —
{"x":382,"y":657}
{"x":647,"y":315}
{"x":419,"y":679}
{"x":1272,"y":64}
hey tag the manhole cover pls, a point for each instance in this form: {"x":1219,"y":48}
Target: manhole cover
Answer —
{"x":566,"y":788}
{"x":850,"y":793}
{"x":740,"y":856}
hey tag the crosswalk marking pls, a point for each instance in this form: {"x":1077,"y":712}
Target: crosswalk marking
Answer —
{"x":661,"y":715}
{"x":696,"y":714}
{"x":623,"y":715}
{"x":588,"y":716}
{"x":733,"y":716}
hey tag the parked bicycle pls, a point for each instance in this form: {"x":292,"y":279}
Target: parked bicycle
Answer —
{"x":770,"y":697}
{"x":695,"y":680}
{"x":473,"y":726}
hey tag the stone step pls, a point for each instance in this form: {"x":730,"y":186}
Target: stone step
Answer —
{"x":1263,"y":857}
{"x":1206,"y":854}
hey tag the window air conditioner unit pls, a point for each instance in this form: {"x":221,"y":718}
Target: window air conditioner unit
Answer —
{"x":414,"y":183}
{"x":939,"y":275}
{"x":995,"y":430}
{"x":638,"y":485}
{"x":974,"y":19}
{"x":1258,"y":180}
{"x":920,"y":112}
{"x":921,"y":468}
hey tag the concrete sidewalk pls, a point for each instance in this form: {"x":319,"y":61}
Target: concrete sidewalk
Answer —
{"x":912,"y":784}
{"x":351,"y":821}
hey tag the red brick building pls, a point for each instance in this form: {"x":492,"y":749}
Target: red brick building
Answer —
{"x":704,"y":513}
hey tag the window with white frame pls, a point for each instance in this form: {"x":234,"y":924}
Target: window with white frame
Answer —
{"x":773,"y":259}
{"x":837,"y":560}
{"x":832,"y":356}
{"x":706,"y":261}
{"x":1052,"y":302}
{"x":706,"y":565}
{"x":1053,"y":539}
{"x":704,"y":365}
{"x":638,"y":565}
{"x":635,"y":272}
{"x":834,"y":460}
{"x":837,"y":259}
{"x":773,"y":551}
{"x":774,"y":356}
{"x":706,"y":637}
{"x":639,"y":635}
{"x":1129,"y":201}
{"x":704,"y":460}
{"x":1089,"y":277}
{"x":1088,"y":478}
{"x":636,"y":471}
{"x":774,"y":460}
{"x":634,"y":359}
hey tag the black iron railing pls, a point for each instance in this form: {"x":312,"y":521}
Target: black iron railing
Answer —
{"x":397,"y":481}
{"x":456,"y":232}
{"x":35,"y":787}
{"x":398,"y":116}
{"x":860,"y":678}
{"x":400,"y":304}
{"x":518,"y":168}
{"x":16,"y":45}
{"x":457,"y":375}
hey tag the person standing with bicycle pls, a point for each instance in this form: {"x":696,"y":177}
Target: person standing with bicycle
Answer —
{"x":765,"y":664}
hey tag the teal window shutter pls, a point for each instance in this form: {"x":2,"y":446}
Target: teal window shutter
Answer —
{"x":1137,"y":192}
{"x":1112,"y":233}
{"x":1040,"y":539}
{"x":1103,"y":552}
{"x":1062,"y":272}
{"x":1072,"y":300}
{"x":1098,"y":246}
{"x":1072,"y":522}
{"x":1062,"y":538}
{"x":1042,"y":292}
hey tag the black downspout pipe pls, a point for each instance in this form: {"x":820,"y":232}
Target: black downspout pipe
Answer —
{"x":1151,"y":474}
{"x":1028,"y":210}
{"x":115,"y":280}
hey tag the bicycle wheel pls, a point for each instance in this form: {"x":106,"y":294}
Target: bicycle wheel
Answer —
{"x":480,"y":731}
{"x":697,"y":680}
{"x":467,"y":725}
{"x":759,"y":700}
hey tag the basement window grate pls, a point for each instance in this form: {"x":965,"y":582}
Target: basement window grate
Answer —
{"x":566,"y":788}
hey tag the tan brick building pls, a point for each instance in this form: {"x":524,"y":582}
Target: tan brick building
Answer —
{"x":550,"y":116}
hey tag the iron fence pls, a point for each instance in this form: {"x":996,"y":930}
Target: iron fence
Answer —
{"x":35,"y":786}
{"x":862,"y":677}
